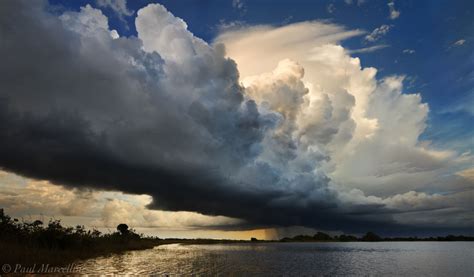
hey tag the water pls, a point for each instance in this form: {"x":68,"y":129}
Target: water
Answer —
{"x":327,"y":259}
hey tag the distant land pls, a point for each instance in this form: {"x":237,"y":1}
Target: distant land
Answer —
{"x":29,"y":243}
{"x":369,"y":236}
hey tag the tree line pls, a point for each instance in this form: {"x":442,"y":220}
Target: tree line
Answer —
{"x":369,"y":236}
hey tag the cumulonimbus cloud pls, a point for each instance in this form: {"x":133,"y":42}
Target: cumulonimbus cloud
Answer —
{"x":284,"y":142}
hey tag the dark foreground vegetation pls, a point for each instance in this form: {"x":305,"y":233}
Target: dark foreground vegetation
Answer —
{"x":30,"y":243}
{"x":370,"y":236}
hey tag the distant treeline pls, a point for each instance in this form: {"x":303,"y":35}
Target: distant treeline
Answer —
{"x":370,"y":236}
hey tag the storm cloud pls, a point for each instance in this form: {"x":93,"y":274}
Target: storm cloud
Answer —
{"x":165,"y":114}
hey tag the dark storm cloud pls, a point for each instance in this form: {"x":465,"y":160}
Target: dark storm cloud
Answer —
{"x":82,"y":109}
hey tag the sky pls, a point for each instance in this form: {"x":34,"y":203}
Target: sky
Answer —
{"x":238,"y":119}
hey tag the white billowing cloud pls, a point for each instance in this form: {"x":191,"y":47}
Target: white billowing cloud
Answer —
{"x":87,"y":21}
{"x":394,"y":14}
{"x":361,"y":132}
{"x":283,"y":91}
{"x":302,"y":36}
{"x":160,"y":31}
{"x":389,"y":153}
{"x":114,"y":34}
{"x":408,"y":51}
{"x":118,"y":6}
{"x":378,"y":33}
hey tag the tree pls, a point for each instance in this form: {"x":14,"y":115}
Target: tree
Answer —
{"x":122,"y":228}
{"x":320,"y":236}
{"x":370,"y":236}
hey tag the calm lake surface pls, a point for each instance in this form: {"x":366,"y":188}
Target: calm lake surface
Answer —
{"x":330,"y":259}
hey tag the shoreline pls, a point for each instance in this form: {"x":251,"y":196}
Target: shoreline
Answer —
{"x":28,"y":256}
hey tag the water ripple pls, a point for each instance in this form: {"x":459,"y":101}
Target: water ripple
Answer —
{"x":324,"y":259}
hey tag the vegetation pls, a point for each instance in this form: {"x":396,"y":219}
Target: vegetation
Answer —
{"x":35,"y":242}
{"x":369,"y":236}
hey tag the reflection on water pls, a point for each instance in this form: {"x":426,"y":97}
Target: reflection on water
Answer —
{"x":358,"y":258}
